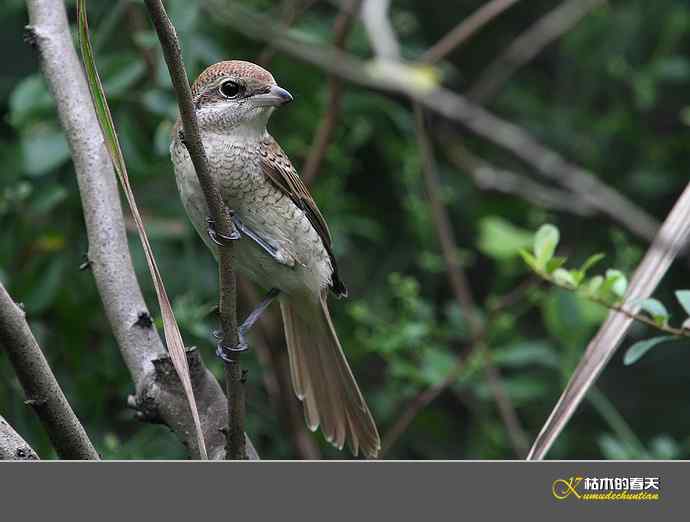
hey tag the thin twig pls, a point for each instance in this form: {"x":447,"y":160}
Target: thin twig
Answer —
{"x":235,"y":448}
{"x":42,"y":390}
{"x":619,"y":307}
{"x":455,"y":107}
{"x":341,"y":29}
{"x":671,"y":239}
{"x":12,"y":445}
{"x":528,"y":45}
{"x":465,"y":30}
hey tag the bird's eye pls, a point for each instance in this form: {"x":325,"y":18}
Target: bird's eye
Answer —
{"x":230,"y":89}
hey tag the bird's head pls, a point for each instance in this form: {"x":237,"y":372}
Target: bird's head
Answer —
{"x":236,"y":95}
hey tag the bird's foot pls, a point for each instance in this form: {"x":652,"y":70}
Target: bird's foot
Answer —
{"x":217,"y":237}
{"x":227,"y":353}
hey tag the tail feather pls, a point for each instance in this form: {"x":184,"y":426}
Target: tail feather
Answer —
{"x":323,"y":380}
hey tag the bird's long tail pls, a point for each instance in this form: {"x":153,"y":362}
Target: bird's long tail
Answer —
{"x":323,"y":380}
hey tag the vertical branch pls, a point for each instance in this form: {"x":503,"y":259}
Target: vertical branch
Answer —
{"x":235,"y":448}
{"x":42,"y":390}
{"x":461,"y":289}
{"x":341,"y":29}
{"x":159,"y":396}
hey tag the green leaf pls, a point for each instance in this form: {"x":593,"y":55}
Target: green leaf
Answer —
{"x":656,"y":309}
{"x":30,"y":100}
{"x":555,"y":263}
{"x":616,"y":282}
{"x":44,"y":148}
{"x":683,"y":297}
{"x":500,"y":239}
{"x":590,"y":262}
{"x":545,"y":243}
{"x":593,"y":286}
{"x":530,"y":260}
{"x":564,"y":278}
{"x":640,"y":348}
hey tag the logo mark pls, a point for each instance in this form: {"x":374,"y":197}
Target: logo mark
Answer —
{"x":562,"y":488}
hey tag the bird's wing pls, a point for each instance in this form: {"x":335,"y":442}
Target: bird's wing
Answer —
{"x":277,"y":168}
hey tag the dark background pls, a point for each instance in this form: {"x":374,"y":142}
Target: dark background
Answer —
{"x":609,"y":95}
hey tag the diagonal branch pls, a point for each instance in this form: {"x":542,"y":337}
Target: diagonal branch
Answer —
{"x":234,"y":377}
{"x":159,"y":395}
{"x":12,"y":445}
{"x":546,"y":162}
{"x":465,"y":30}
{"x":42,"y":390}
{"x":526,"y":46}
{"x":671,"y":239}
{"x":490,"y":177}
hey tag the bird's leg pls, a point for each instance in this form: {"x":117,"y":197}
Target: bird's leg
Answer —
{"x":224,"y":351}
{"x":218,"y":238}
{"x":265,"y":245}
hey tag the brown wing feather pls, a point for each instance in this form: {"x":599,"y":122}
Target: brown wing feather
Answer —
{"x":277,"y":168}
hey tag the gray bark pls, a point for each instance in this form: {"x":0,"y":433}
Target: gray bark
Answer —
{"x":158,"y":395}
{"x":12,"y":445}
{"x":42,"y":390}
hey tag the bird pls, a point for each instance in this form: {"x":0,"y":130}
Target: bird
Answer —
{"x":283,"y":242}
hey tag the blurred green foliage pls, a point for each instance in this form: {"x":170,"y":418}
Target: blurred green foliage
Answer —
{"x":611,"y":95}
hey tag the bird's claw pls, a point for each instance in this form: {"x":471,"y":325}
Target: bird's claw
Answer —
{"x":217,"y":237}
{"x":225,"y":352}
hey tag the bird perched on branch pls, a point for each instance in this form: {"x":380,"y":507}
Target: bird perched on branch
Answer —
{"x":284,"y":244}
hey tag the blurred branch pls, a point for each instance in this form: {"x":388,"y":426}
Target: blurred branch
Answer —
{"x":12,"y":445}
{"x":530,"y":43}
{"x":490,"y":177}
{"x":381,"y":35}
{"x":158,"y":397}
{"x":391,"y":51}
{"x":234,"y":375}
{"x":671,"y":239}
{"x":291,"y":13}
{"x":43,"y":392}
{"x":329,"y":120}
{"x":403,"y":80}
{"x":461,"y":288}
{"x":465,"y":30}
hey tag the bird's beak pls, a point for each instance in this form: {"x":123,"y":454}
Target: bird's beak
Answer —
{"x":275,"y":97}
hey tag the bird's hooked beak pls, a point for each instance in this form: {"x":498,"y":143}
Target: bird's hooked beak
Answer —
{"x":275,"y":97}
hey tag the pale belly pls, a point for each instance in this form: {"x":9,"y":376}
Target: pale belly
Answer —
{"x":304,"y":265}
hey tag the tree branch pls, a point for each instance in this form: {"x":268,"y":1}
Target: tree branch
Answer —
{"x":377,"y":20}
{"x":465,"y":30}
{"x":461,"y":288}
{"x":12,"y":445}
{"x":490,"y":177}
{"x":234,"y":375}
{"x":671,"y":239}
{"x":42,"y":391}
{"x":526,"y":46}
{"x":159,"y":396}
{"x":329,"y":120}
{"x":401,"y":81}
